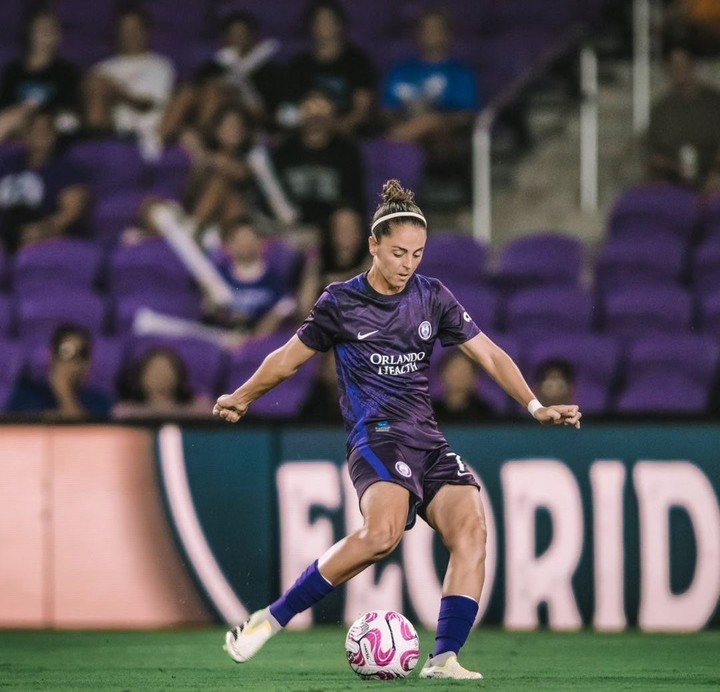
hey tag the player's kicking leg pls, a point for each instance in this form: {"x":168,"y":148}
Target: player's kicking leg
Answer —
{"x":384,"y":507}
{"x":456,"y":513}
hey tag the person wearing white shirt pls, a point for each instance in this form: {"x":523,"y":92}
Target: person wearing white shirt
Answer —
{"x":129,"y":91}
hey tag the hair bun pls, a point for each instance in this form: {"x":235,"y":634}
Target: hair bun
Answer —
{"x":394,"y":192}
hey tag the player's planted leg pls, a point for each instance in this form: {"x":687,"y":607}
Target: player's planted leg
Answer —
{"x":457,"y":515}
{"x":384,"y":507}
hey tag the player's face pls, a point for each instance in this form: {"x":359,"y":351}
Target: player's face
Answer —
{"x":396,"y":257}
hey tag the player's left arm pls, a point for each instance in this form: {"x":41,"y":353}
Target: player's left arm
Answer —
{"x":503,"y":370}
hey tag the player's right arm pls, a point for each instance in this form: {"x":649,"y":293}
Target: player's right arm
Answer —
{"x":277,"y":367}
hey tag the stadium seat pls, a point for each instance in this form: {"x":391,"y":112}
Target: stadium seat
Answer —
{"x":285,"y":401}
{"x":453,"y":257}
{"x":111,"y":165}
{"x":64,"y":262}
{"x":149,"y":266}
{"x":710,"y":312}
{"x":166,"y":177}
{"x":481,"y":302}
{"x":385,"y":159}
{"x":629,"y":261}
{"x":38,"y":314}
{"x":12,"y":356}
{"x":7,"y":321}
{"x":595,"y":359}
{"x":548,"y":310}
{"x":653,"y":209}
{"x":113,"y":213}
{"x":206,"y":363}
{"x":706,"y":266}
{"x":185,"y":304}
{"x":543,"y":258}
{"x":649,"y":308}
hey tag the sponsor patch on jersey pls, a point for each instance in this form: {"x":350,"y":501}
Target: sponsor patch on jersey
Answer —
{"x":425,"y":330}
{"x":382,"y":426}
{"x":403,"y":469}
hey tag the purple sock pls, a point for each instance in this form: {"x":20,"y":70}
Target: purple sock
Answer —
{"x":310,"y":588}
{"x":457,"y":614}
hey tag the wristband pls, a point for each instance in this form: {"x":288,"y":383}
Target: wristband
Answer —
{"x":533,"y":406}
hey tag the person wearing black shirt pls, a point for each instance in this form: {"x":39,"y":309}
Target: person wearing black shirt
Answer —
{"x":460,"y":402}
{"x":40,"y":79}
{"x":343,"y":71}
{"x":318,"y":167}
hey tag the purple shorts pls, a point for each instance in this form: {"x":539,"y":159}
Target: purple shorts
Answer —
{"x":422,"y":472}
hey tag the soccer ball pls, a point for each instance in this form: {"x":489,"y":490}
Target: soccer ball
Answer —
{"x":382,"y":645}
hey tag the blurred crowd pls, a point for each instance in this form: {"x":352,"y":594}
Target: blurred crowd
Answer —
{"x":220,"y":196}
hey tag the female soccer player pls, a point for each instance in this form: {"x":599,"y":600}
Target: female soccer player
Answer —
{"x":382,"y":325}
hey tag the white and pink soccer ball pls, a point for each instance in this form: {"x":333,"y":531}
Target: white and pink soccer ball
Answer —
{"x":382,"y":645}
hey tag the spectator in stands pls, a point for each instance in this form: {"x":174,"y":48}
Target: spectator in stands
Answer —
{"x":64,"y":395}
{"x":322,"y":405}
{"x":263,"y":295}
{"x":242,"y":73}
{"x":320,"y":168}
{"x":683,"y":136}
{"x":157,"y":386}
{"x":344,"y":249}
{"x":219,"y":168}
{"x":342,"y":71}
{"x":459,"y":402}
{"x":42,"y":192}
{"x":128,"y":92}
{"x":699,"y":20}
{"x":555,"y":383}
{"x":39,"y":79}
{"x":431,"y":100}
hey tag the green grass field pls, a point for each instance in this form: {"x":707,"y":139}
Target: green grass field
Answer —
{"x":314,"y":661}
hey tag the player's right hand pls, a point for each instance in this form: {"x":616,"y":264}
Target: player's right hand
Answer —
{"x":228,"y":409}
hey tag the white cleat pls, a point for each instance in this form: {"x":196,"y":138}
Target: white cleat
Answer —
{"x":450,"y":670}
{"x":245,"y":640}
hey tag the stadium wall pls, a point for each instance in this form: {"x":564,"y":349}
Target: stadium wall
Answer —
{"x":103,"y":526}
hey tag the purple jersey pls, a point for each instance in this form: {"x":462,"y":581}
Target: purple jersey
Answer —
{"x":382,"y":349}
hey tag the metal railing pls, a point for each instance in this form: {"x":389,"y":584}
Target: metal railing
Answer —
{"x":482,"y":133}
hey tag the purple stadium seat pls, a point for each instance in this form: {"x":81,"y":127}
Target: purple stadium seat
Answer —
{"x":710,"y":312}
{"x":649,"y":395}
{"x":453,"y":256}
{"x":65,"y":262}
{"x":543,"y":258}
{"x":627,"y":261}
{"x":12,"y":356}
{"x":385,"y":159}
{"x":166,"y":177}
{"x":548,"y":310}
{"x":39,"y":314}
{"x":594,"y":358}
{"x":206,"y":363}
{"x":186,"y":304}
{"x":184,"y":18}
{"x":510,"y":14}
{"x":149,"y":266}
{"x":706,"y":266}
{"x":285,"y":23}
{"x":649,"y":308}
{"x":653,"y":209}
{"x":7,"y":321}
{"x":285,"y":401}
{"x":115,"y":212}
{"x":112,"y":165}
{"x":12,"y":13}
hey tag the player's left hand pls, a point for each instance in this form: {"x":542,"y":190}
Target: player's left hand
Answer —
{"x":559,"y":415}
{"x":229,"y":409}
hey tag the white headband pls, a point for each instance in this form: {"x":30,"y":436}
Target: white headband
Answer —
{"x":395,"y":215}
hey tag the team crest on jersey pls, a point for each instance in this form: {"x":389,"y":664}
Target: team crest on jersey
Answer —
{"x":403,"y":469}
{"x":425,"y":330}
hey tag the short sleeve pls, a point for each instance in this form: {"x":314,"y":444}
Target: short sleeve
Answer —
{"x":456,"y":326}
{"x":320,"y":329}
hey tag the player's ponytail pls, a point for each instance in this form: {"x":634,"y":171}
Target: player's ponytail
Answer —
{"x":398,"y":204}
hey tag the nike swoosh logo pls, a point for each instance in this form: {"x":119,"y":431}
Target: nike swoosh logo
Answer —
{"x":367,"y":334}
